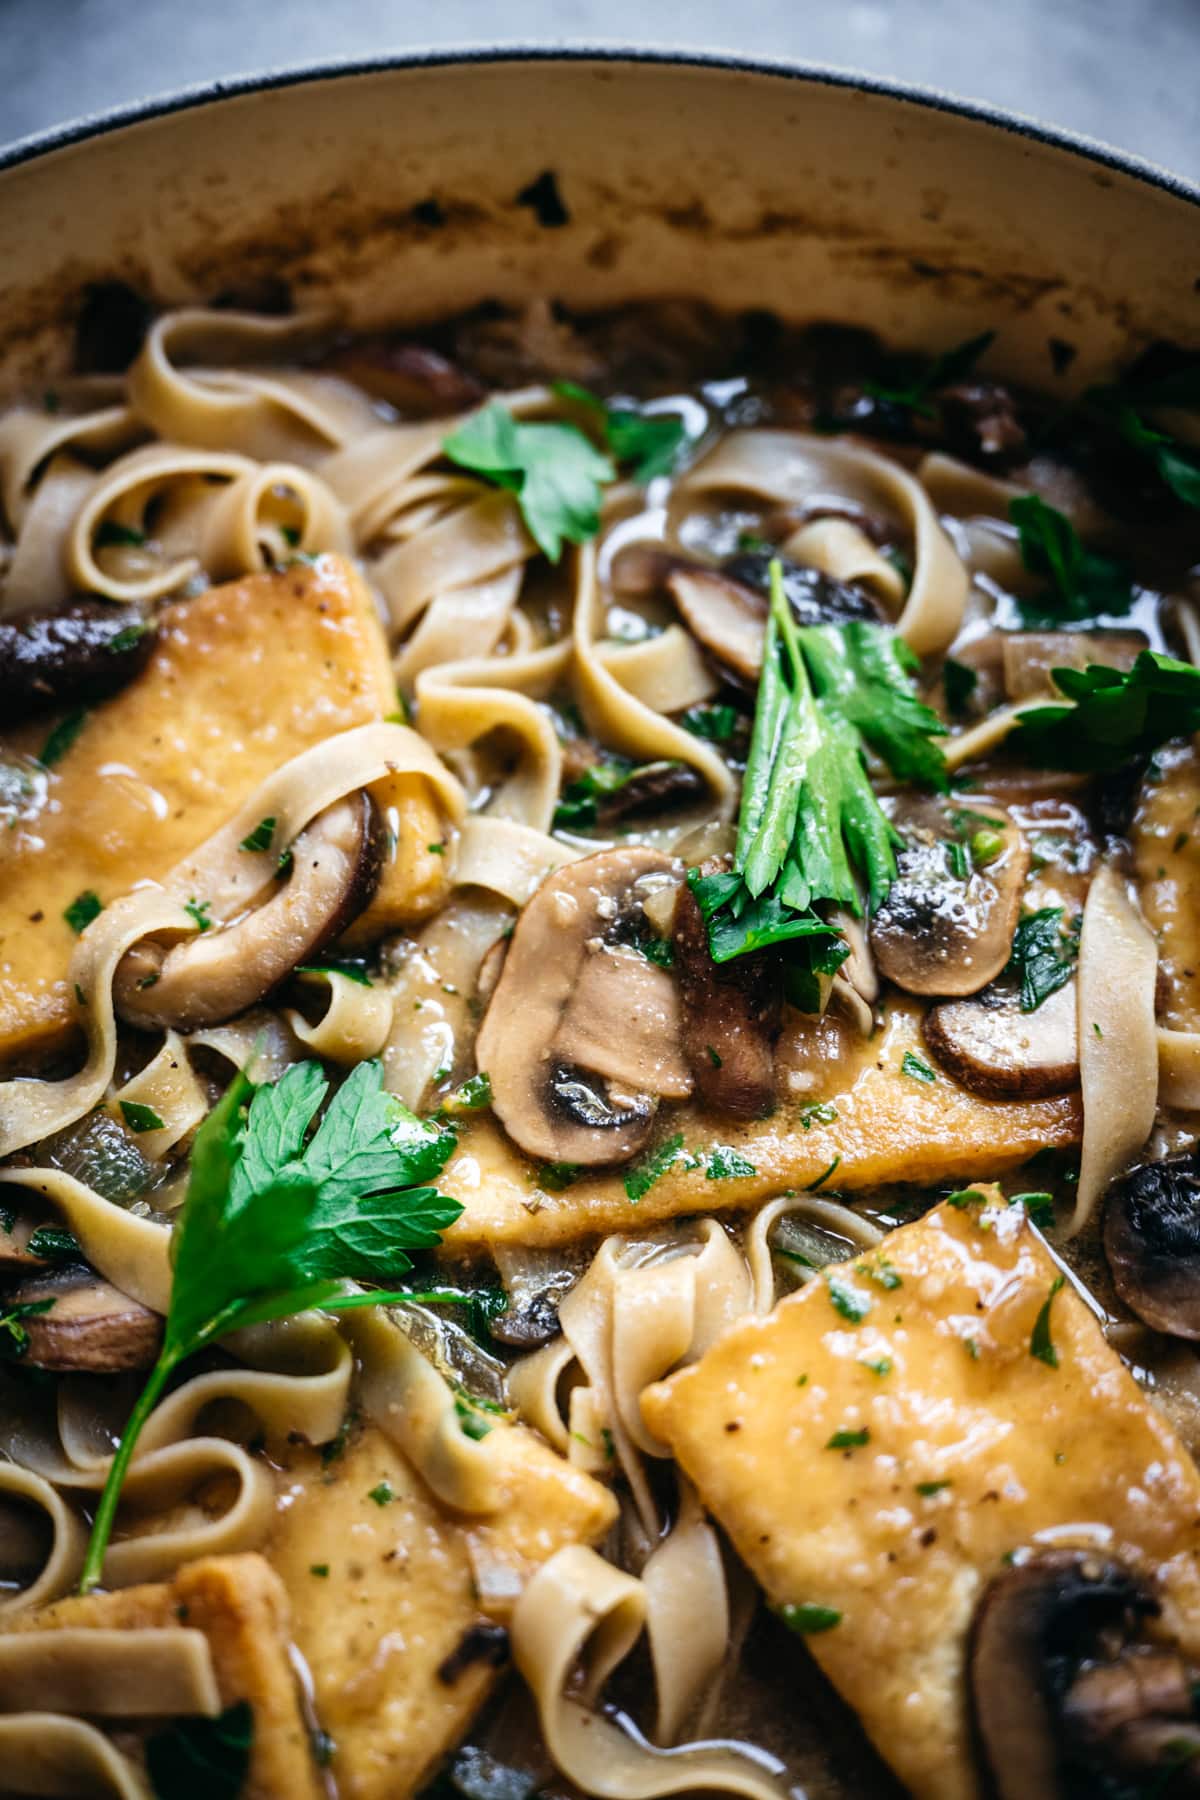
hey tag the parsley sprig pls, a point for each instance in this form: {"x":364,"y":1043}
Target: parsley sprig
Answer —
{"x":555,"y":471}
{"x":276,"y":1221}
{"x":1126,"y":403}
{"x":811,"y":830}
{"x":951,"y":366}
{"x":1083,"y":583}
{"x":1117,"y":714}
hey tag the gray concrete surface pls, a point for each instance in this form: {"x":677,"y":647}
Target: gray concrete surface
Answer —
{"x":1125,"y":71}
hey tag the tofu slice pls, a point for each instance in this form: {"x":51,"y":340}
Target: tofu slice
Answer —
{"x":241,"y":1607}
{"x":855,"y":1117}
{"x":382,"y":1591}
{"x":242,"y":678}
{"x":1072,"y":1454}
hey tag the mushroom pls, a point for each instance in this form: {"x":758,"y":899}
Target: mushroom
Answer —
{"x":731,"y":1015}
{"x":89,"y":1325}
{"x":1152,"y":1241}
{"x":212,"y":975}
{"x":581,"y":1037}
{"x":656,"y":787}
{"x":996,"y":1050}
{"x":1061,"y":1692}
{"x":418,"y":381}
{"x":946,"y":924}
{"x":81,"y":652}
{"x":725,"y":609}
{"x":1029,"y":656}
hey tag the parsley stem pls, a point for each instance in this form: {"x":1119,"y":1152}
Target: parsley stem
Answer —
{"x":110,"y":1499}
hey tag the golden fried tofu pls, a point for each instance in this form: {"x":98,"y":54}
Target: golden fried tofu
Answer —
{"x":242,"y":1609}
{"x":888,"y":1436}
{"x":847,"y":1111}
{"x":383,"y":1600}
{"x":242,"y":678}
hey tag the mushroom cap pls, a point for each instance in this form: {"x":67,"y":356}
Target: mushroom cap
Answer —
{"x":942,"y":932}
{"x":730,"y":1015}
{"x":210,"y":976}
{"x":581,"y":1036}
{"x":79,"y":652}
{"x":1034,"y":1626}
{"x":1152,"y":1241}
{"x":996,"y":1050}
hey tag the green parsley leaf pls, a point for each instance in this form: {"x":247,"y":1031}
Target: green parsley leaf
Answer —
{"x":354,"y":969}
{"x":1040,"y":1344}
{"x":126,"y":639}
{"x":199,"y":910}
{"x":1083,"y":583}
{"x":15,"y":1341}
{"x":911,"y":1064}
{"x":807,"y":1619}
{"x":202,"y":1759}
{"x":260,"y":838}
{"x":726,"y":1164}
{"x":647,"y":443}
{"x":319,"y":1569}
{"x":817,"y":1112}
{"x":1178,"y":465}
{"x":883,"y":1272}
{"x":959,"y":682}
{"x":557,"y":1175}
{"x":847,"y":1439}
{"x":717,"y":724}
{"x":554,"y":470}
{"x":1118,"y":714}
{"x":660,"y":951}
{"x":823,"y":1177}
{"x":140,"y":1118}
{"x":643,"y":1175}
{"x":1044,"y":953}
{"x":54,"y":1244}
{"x":1040,"y":1208}
{"x":965,"y":1198}
{"x":83,"y":909}
{"x":382,"y":1493}
{"x":62,"y":737}
{"x":943,"y":371}
{"x":110,"y":534}
{"x":927,"y":1488}
{"x":849,"y":1301}
{"x":878,"y":1365}
{"x":471,"y":1095}
{"x":472,"y":1417}
{"x":279,"y":1216}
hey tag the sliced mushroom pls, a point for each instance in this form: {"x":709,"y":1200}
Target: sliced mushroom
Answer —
{"x":419,"y":381}
{"x":81,"y":652}
{"x":996,"y":1050}
{"x":726,"y":609}
{"x":581,"y":1037}
{"x":1152,"y":1241}
{"x":654,"y":788}
{"x":731,"y":1016}
{"x":89,"y":1326}
{"x":1062,"y":1694}
{"x":1029,"y":656}
{"x":214,"y":974}
{"x":946,"y":925}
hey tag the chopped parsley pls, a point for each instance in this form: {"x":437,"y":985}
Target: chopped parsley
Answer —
{"x":717,"y":724}
{"x":883,"y":1272}
{"x":62,"y":738}
{"x":959,"y":682}
{"x":383,"y":1493}
{"x":83,"y":909}
{"x":660,"y":951}
{"x":1041,"y":1344}
{"x":807,"y":1619}
{"x":319,"y":1569}
{"x":1044,"y":953}
{"x":15,"y":1339}
{"x":1117,"y":715}
{"x":139,"y":1117}
{"x":878,"y":1365}
{"x":823,"y":1177}
{"x":727,"y":1164}
{"x":1039,"y":1207}
{"x":966,"y":1197}
{"x":847,"y":1438}
{"x":942,"y":371}
{"x":202,"y":1759}
{"x":472,"y":1095}
{"x":1082,"y":582}
{"x":199,"y":911}
{"x":817,"y":1112}
{"x":928,"y":1488}
{"x":850,"y":1302}
{"x":643,"y":1175}
{"x":557,"y":1175}
{"x":714,"y":1056}
{"x":54,"y":1244}
{"x":260,"y":838}
{"x":352,"y":968}
{"x":912,"y":1065}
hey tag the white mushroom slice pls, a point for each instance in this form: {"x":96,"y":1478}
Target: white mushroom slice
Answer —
{"x":1030,"y":656}
{"x":211,"y":976}
{"x":581,"y":1036}
{"x":995,"y":1049}
{"x":946,"y":925}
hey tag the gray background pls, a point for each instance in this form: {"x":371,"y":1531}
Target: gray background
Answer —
{"x":1125,"y":71}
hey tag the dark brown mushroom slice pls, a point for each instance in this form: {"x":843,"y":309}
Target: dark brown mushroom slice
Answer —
{"x":946,"y":924}
{"x":815,"y":598}
{"x":414,"y":378}
{"x":655,"y":787}
{"x":581,"y":1036}
{"x":731,"y":1016}
{"x":1152,"y":1242}
{"x":211,"y":976}
{"x":1001,"y":1053}
{"x":82,"y":652}
{"x":1062,"y":1693}
{"x":89,"y":1326}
